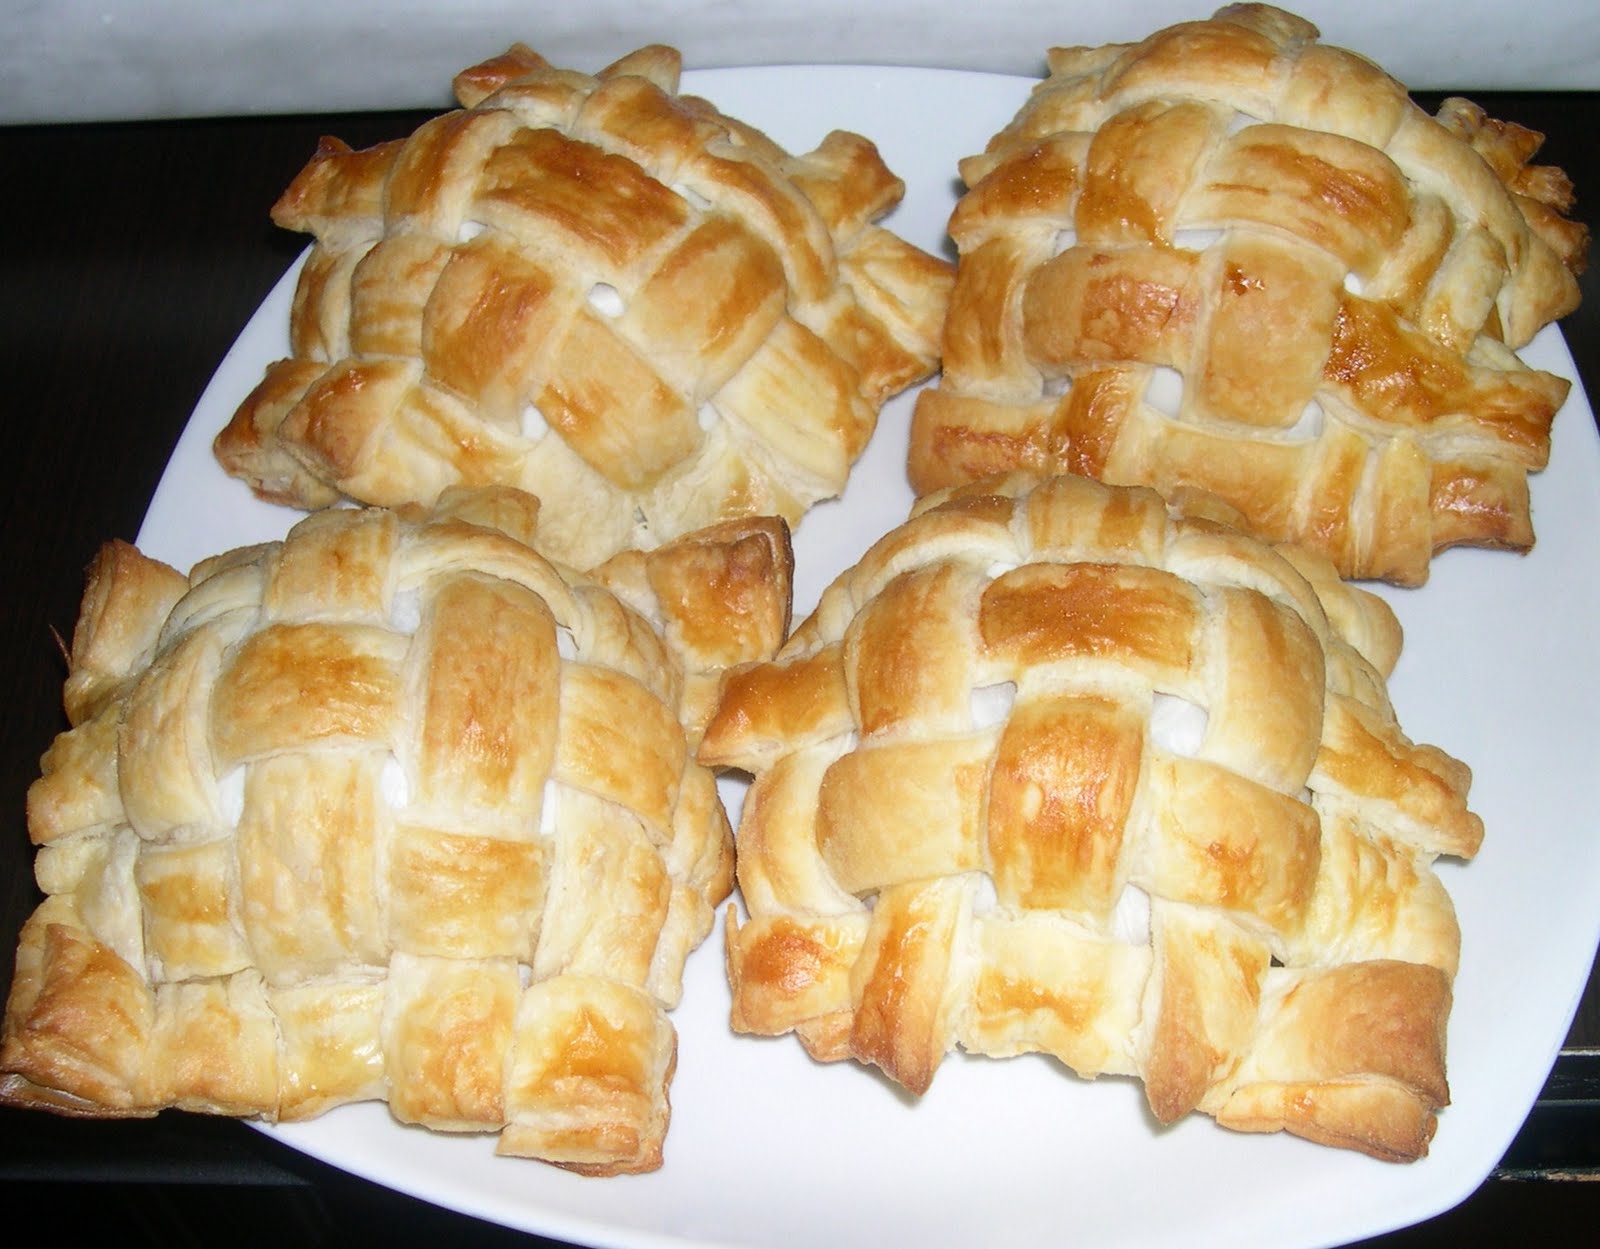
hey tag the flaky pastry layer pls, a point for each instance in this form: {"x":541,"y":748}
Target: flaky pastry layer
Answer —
{"x":1062,"y":767}
{"x":394,"y":809}
{"x":598,"y":290}
{"x":1233,"y":258}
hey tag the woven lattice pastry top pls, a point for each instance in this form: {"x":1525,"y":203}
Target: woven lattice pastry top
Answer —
{"x":392,"y":809}
{"x":598,"y":290}
{"x":1060,"y":768}
{"x":1233,"y":258}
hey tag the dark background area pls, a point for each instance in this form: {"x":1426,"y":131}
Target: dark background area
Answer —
{"x":133,"y":255}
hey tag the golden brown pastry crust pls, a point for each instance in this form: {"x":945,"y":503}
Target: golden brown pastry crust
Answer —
{"x":965,"y":783}
{"x":1338,"y":281}
{"x":393,"y":809}
{"x":598,"y":290}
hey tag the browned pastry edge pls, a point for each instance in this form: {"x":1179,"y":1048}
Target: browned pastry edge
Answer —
{"x":146,"y":980}
{"x":445,"y":328}
{"x":1297,"y":972}
{"x":1372,"y":265}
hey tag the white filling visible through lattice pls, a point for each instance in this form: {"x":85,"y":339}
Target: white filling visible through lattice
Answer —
{"x":991,"y":704}
{"x":1130,"y":921}
{"x":1195,"y":238}
{"x":393,"y":786}
{"x":1163,"y":390}
{"x":405,"y":612}
{"x":549,"y":809}
{"x":693,"y":196}
{"x":1177,"y":725}
{"x":230,"y":796}
{"x":1309,"y":426}
{"x":606,"y":300}
{"x":1242,"y":121}
{"x":534,"y":426}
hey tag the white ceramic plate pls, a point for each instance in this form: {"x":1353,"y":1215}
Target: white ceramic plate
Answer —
{"x":770,"y":1151}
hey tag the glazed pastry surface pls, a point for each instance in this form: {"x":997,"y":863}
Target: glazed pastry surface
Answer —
{"x":1061,"y":767}
{"x":394,"y":809}
{"x":1233,"y":258}
{"x":600,"y":291}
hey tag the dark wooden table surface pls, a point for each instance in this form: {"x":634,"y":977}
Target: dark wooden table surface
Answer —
{"x":133,"y":255}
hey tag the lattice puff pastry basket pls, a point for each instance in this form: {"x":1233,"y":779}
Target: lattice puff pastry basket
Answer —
{"x":1059,"y":767}
{"x":1233,"y":258}
{"x":392,"y":809}
{"x":598,"y":290}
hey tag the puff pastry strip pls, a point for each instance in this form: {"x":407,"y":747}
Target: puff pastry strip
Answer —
{"x":397,"y":809}
{"x":1061,"y":767}
{"x":1230,"y":257}
{"x":596,"y":289}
